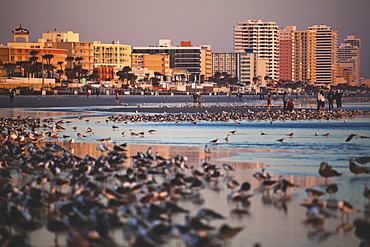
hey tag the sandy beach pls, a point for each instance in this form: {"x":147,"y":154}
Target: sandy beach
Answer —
{"x":271,"y":219}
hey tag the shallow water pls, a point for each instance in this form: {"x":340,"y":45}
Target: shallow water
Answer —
{"x":269,"y":219}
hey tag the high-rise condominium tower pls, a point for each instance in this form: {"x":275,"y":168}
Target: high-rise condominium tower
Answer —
{"x":285,"y":52}
{"x":326,"y":54}
{"x":351,"y":50}
{"x":260,"y":37}
{"x":303,"y":64}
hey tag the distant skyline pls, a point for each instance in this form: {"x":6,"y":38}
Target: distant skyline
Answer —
{"x":203,"y":22}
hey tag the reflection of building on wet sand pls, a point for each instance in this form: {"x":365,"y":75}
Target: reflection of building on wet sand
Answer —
{"x":14,"y":112}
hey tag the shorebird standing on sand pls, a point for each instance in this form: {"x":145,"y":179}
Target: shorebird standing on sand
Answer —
{"x":207,"y":150}
{"x":227,"y":138}
{"x":327,"y":171}
{"x":356,"y":169}
{"x":215,"y":141}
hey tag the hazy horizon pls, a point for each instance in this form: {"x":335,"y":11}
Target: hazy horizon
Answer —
{"x":203,"y":22}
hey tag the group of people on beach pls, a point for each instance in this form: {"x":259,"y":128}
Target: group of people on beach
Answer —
{"x":331,"y":96}
{"x":288,"y":105}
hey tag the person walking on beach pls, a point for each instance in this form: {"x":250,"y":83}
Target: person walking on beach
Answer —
{"x":117,"y":97}
{"x":330,"y":98}
{"x":285,"y":101}
{"x":87,"y":93}
{"x":11,"y":95}
{"x":338,"y":99}
{"x":268,"y":103}
{"x":98,"y":93}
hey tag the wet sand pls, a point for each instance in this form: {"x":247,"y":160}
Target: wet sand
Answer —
{"x":272,"y":220}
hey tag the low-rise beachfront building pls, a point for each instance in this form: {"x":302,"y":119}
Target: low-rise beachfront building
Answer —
{"x":157,"y":62}
{"x":180,"y":57}
{"x":114,"y":55}
{"x":246,"y":66}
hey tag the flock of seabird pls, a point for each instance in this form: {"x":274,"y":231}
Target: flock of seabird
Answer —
{"x":87,"y":198}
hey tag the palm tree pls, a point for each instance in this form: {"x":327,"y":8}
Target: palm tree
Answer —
{"x":60,"y":71}
{"x":70,"y":73}
{"x":70,"y":60}
{"x":48,"y":58}
{"x":10,"y":69}
{"x":123,"y":74}
{"x":33,"y":61}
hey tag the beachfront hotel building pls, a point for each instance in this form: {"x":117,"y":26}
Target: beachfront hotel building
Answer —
{"x":225,"y":62}
{"x":260,"y":37}
{"x":303,"y":61}
{"x":185,"y":57}
{"x":115,"y":54}
{"x":285,"y":52}
{"x":326,"y":54}
{"x":19,"y":50}
{"x":243,"y":65}
{"x":157,"y":62}
{"x":350,"y":50}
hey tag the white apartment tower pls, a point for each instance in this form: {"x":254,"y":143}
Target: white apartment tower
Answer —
{"x":260,"y":37}
{"x":326,"y":54}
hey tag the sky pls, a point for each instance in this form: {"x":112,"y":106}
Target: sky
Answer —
{"x":203,"y":22}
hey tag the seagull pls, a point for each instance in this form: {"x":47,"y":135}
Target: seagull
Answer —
{"x":227,"y":137}
{"x":326,"y":135}
{"x":313,"y":193}
{"x":225,"y":232}
{"x":227,"y":167}
{"x":207,"y":150}
{"x":232,"y":183}
{"x":332,"y":189}
{"x":114,"y":127}
{"x":109,"y":139}
{"x":215,"y":141}
{"x":89,"y":131}
{"x":350,"y":137}
{"x":151,"y":131}
{"x":233,"y":132}
{"x":102,"y":148}
{"x":283,"y":185}
{"x":356,"y":169}
{"x":263,"y":133}
{"x":327,"y":171}
{"x":75,"y":128}
{"x":316,"y":133}
{"x":346,"y":208}
{"x":281,"y":140}
{"x":79,"y":135}
{"x":263,"y":175}
{"x":290,"y":134}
